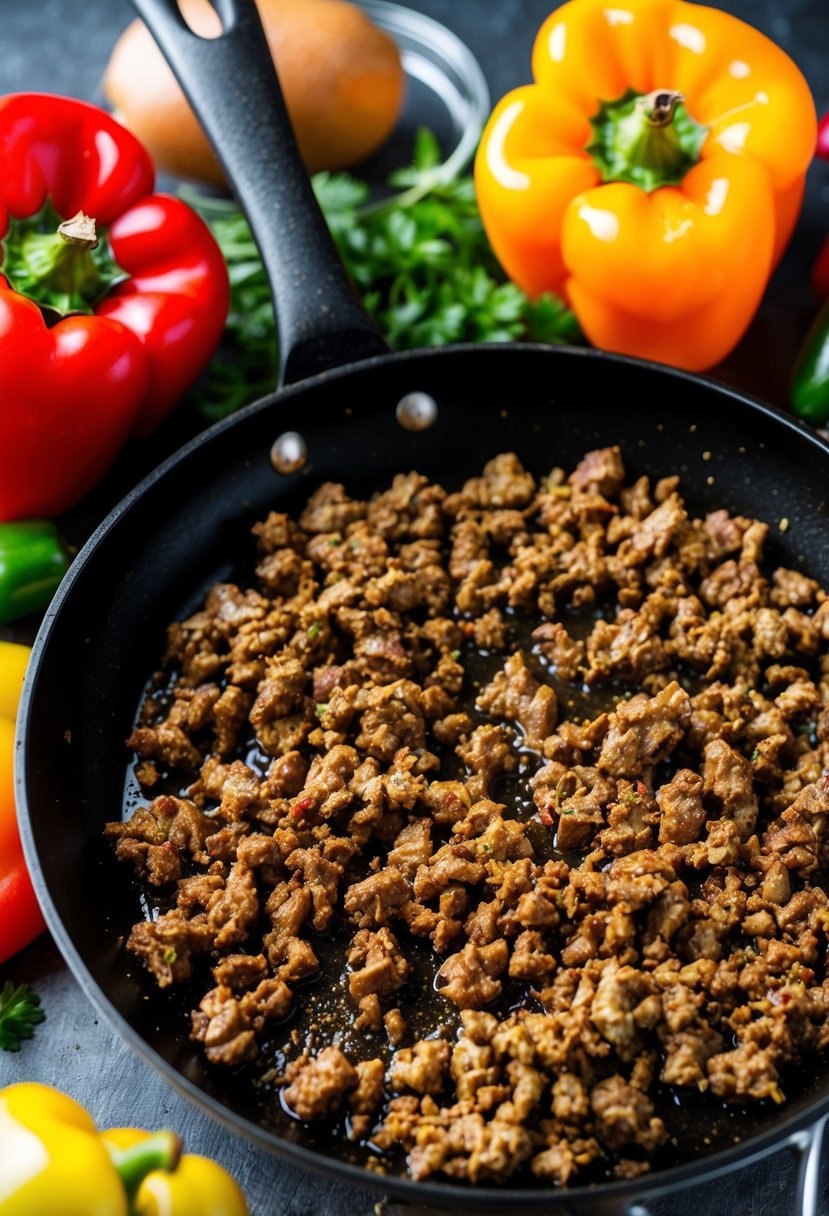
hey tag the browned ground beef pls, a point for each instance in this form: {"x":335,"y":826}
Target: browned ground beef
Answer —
{"x":654,"y":912}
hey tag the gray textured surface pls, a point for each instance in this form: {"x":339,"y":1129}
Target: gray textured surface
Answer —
{"x":62,"y":46}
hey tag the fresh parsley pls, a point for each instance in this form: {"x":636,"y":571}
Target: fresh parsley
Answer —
{"x":20,"y":1012}
{"x":421,"y":260}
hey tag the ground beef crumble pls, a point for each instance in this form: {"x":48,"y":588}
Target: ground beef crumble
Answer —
{"x":650,"y":913}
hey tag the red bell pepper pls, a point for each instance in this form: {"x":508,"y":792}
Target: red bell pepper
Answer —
{"x":21,"y":920}
{"x":819,"y":280}
{"x":820,"y":271}
{"x":102,"y":327}
{"x":822,"y":148}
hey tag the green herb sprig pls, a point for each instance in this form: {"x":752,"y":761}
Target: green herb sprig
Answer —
{"x":20,"y":1012}
{"x":421,"y":260}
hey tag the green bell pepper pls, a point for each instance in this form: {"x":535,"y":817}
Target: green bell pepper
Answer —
{"x":809,"y":392}
{"x":33,"y":560}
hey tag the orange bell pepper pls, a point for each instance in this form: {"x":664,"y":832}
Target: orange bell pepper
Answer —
{"x":651,"y":175}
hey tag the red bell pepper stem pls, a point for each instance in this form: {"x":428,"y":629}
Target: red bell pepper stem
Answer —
{"x":51,"y":262}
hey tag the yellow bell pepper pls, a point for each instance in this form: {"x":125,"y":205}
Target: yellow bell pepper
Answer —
{"x":54,"y":1163}
{"x":197,"y":1186}
{"x":14,"y":659}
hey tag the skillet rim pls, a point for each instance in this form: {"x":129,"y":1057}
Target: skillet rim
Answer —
{"x":774,"y":1138}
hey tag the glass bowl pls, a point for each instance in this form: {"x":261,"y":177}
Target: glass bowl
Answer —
{"x":445,"y":91}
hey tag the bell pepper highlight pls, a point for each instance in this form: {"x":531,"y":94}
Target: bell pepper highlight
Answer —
{"x":33,"y":560}
{"x":53,"y":1159}
{"x":21,"y":919}
{"x":112,"y":299}
{"x":652,"y":174}
{"x":196,"y":1187}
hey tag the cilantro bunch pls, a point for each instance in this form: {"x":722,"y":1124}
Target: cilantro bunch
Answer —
{"x":20,"y":1012}
{"x":420,"y":259}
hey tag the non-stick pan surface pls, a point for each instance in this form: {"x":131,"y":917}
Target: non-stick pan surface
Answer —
{"x":187,"y":526}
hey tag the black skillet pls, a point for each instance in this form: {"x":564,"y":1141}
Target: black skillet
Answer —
{"x":187,"y":525}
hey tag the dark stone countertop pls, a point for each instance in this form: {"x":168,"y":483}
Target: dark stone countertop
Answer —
{"x":62,"y":46}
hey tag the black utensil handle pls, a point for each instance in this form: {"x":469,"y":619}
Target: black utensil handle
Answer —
{"x":233,"y":89}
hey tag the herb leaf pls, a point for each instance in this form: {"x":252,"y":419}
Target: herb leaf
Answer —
{"x":421,"y":261}
{"x":20,"y":1012}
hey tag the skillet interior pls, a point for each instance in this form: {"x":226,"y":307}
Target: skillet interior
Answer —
{"x":187,"y":526}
